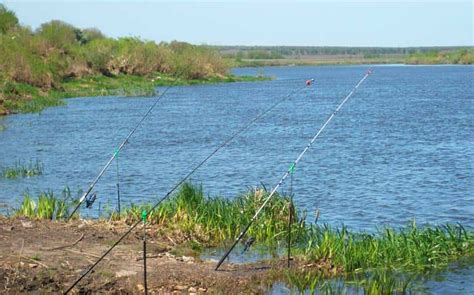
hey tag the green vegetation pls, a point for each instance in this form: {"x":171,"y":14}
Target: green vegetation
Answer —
{"x":412,"y":248}
{"x":216,"y":220}
{"x":23,"y":170}
{"x":48,"y":206}
{"x":38,"y":68}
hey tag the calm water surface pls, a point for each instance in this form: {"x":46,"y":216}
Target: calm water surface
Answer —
{"x":401,"y":149}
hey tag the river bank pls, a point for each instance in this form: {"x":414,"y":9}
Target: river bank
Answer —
{"x":25,"y":98}
{"x":30,"y":262}
{"x":184,"y":226}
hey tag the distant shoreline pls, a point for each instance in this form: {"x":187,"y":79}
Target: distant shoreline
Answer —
{"x":319,"y":62}
{"x":253,"y":56}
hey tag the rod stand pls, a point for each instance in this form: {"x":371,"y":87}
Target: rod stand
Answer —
{"x":144,"y":254}
{"x":290,"y":221}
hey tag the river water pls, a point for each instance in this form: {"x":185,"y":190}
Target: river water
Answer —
{"x":401,"y":149}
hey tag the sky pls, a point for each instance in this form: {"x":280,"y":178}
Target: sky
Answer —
{"x":297,"y":23}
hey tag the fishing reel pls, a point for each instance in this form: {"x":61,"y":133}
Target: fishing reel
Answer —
{"x":247,"y":244}
{"x":90,"y":200}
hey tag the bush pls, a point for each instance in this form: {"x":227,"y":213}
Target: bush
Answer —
{"x":8,"y":19}
{"x":19,"y":63}
{"x":58,"y":34}
{"x":58,"y":51}
{"x":195,"y":62}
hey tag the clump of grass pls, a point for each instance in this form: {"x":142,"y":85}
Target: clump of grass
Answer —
{"x":411,"y":248}
{"x":23,"y":170}
{"x":48,"y":206}
{"x":216,"y":220}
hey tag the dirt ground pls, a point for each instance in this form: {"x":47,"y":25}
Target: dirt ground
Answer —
{"x":38,"y":256}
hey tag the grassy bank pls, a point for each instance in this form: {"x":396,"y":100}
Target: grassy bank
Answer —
{"x":25,"y":98}
{"x":209,"y":221}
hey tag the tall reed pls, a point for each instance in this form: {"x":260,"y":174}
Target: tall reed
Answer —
{"x":217,"y":219}
{"x":48,"y":206}
{"x":410,"y":248}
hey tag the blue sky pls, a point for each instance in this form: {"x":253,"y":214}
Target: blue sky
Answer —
{"x":316,"y":23}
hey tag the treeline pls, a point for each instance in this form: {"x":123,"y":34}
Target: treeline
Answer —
{"x":280,"y":52}
{"x":56,"y":52}
{"x":253,"y":54}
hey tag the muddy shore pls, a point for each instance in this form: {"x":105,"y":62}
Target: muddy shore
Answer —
{"x":48,"y":256}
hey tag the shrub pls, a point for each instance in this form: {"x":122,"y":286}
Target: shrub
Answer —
{"x":58,"y":34}
{"x":8,"y":19}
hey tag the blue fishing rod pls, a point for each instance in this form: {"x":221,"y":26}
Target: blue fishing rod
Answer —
{"x":290,"y":170}
{"x":186,"y":177}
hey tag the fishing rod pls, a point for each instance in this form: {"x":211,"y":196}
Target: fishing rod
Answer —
{"x":290,"y":170}
{"x":119,"y":148}
{"x":180,"y":182}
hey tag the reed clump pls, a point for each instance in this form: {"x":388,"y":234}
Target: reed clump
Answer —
{"x":217,"y":220}
{"x":23,"y":170}
{"x":47,"y":206}
{"x":411,"y":248}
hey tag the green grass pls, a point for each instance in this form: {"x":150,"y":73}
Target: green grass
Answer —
{"x":23,"y":170}
{"x":216,"y":220}
{"x":387,"y":262}
{"x":410,"y":248}
{"x":47,"y":206}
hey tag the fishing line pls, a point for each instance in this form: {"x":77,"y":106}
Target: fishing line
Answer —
{"x":290,"y":170}
{"x":120,"y":147}
{"x":225,"y":143}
